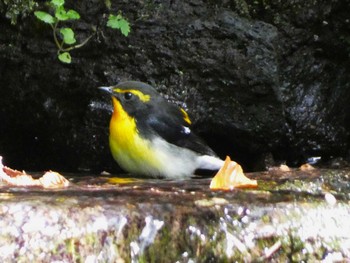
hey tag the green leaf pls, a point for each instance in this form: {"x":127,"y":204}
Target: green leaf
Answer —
{"x":124,"y":27}
{"x":65,"y":57}
{"x":45,"y":17}
{"x":72,"y":14}
{"x":119,"y":22}
{"x":61,"y":14}
{"x":113,"y":21}
{"x":57,"y":3}
{"x":68,"y":35}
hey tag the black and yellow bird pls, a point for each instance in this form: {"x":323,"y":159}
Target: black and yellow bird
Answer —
{"x":150,"y":136}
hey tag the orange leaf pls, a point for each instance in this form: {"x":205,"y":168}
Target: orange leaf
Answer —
{"x":231,"y":176}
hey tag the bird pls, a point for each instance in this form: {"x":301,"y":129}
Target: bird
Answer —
{"x":150,"y":136}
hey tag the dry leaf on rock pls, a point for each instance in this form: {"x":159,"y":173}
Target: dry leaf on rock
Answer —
{"x":284,"y":168}
{"x":307,"y":167}
{"x":231,"y":176}
{"x":17,"y":178}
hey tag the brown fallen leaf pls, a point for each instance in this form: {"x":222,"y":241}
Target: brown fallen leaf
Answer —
{"x":231,"y":176}
{"x":16,"y":178}
{"x":284,"y":168}
{"x":281,"y":168}
{"x":307,"y":167}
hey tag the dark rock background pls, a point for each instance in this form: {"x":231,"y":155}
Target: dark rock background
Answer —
{"x":262,"y":80}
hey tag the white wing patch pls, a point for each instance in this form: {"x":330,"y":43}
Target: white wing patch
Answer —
{"x":186,"y":130}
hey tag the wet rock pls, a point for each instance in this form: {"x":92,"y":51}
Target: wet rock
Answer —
{"x":292,"y":216}
{"x":258,"y":79}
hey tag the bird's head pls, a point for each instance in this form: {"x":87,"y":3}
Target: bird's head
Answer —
{"x":133,"y":97}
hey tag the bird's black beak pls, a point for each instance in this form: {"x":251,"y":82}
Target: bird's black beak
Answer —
{"x":106,"y":89}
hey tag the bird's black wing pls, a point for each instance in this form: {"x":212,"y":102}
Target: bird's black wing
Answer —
{"x":170,"y":123}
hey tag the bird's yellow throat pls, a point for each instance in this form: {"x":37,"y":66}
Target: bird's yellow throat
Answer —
{"x":131,"y":151}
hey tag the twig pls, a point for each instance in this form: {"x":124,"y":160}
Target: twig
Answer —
{"x":54,"y":29}
{"x":272,"y":250}
{"x":79,"y":45}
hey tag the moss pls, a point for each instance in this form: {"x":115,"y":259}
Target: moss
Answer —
{"x":242,"y":8}
{"x":335,"y":182}
{"x":164,"y":247}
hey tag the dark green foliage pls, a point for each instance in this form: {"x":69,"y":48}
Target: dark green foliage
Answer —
{"x":15,"y":8}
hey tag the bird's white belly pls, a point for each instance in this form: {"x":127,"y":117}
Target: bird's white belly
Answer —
{"x":173,"y":161}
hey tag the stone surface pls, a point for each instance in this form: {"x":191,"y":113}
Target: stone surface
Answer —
{"x":258,"y":78}
{"x":293,"y":216}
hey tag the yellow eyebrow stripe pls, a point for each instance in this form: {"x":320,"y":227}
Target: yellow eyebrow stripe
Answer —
{"x":186,"y":118}
{"x":137,"y":93}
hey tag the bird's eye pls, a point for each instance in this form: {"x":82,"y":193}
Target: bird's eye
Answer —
{"x":127,"y":95}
